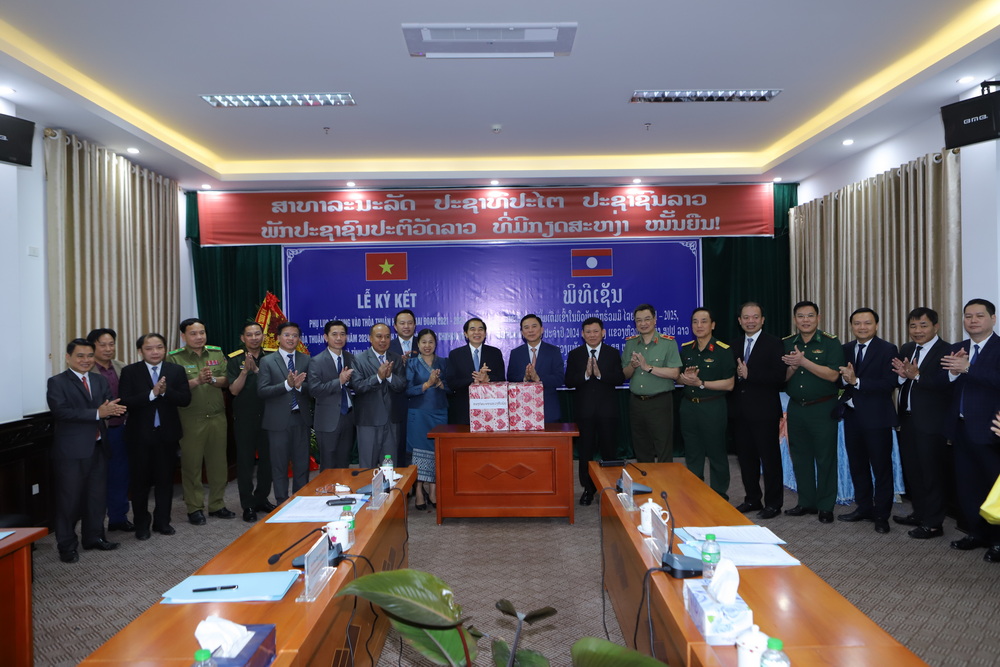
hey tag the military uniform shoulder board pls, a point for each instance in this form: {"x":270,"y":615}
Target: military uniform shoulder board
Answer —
{"x":664,"y":336}
{"x":789,"y":336}
{"x":690,"y":342}
{"x":213,"y":347}
{"x":722,"y":345}
{"x":830,"y":335}
{"x":235,"y":354}
{"x":631,"y":337}
{"x":180,"y":349}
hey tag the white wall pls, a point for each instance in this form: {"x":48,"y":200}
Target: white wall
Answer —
{"x":22,"y":275}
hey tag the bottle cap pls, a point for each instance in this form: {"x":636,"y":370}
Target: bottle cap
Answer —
{"x":202,"y":654}
{"x":710,"y":536}
{"x":774,"y":644}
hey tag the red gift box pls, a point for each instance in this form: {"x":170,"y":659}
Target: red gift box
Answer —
{"x":488,"y":407}
{"x":526,"y":405}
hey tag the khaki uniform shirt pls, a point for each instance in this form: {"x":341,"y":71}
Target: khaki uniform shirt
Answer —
{"x":661,"y":351}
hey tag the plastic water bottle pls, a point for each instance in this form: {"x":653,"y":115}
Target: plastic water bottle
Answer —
{"x":387,"y":469}
{"x":774,"y":656}
{"x":203,"y":658}
{"x":348,"y":516}
{"x":710,"y":555}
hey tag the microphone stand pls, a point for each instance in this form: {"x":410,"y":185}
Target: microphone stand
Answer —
{"x":276,"y":557}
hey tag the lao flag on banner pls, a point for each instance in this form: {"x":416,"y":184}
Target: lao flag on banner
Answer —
{"x":587,"y":262}
{"x":385,"y":266}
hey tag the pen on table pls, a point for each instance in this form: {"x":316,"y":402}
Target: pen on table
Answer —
{"x":215,"y":588}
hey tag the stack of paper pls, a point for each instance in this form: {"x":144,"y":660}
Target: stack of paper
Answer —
{"x":746,"y":546}
{"x":313,"y":509}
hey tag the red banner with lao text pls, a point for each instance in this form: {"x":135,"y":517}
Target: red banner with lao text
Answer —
{"x":495,"y":214}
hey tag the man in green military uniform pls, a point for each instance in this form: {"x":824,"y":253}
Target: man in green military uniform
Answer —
{"x":651,"y":363}
{"x":814,"y":358}
{"x":709,"y":374}
{"x":204,"y":422}
{"x":248,"y":412}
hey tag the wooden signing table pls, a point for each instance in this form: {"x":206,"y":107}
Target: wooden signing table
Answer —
{"x":306,"y":632}
{"x":16,"y":635}
{"x":504,"y":473}
{"x":816,"y":623}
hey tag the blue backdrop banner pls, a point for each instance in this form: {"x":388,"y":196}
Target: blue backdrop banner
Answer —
{"x":444,"y":285}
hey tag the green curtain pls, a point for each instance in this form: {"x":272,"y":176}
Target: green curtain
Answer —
{"x":736,"y":270}
{"x":230,"y":282}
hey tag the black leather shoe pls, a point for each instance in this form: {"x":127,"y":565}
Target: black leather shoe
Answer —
{"x":421,"y":507}
{"x":925,"y":533}
{"x":799,"y":510}
{"x":908,"y":520}
{"x":881,"y":526}
{"x":826,"y":517}
{"x":768,"y":513}
{"x":856,"y":515}
{"x":992,"y":554}
{"x":266,"y":506}
{"x":101,"y":545}
{"x":223,"y":513}
{"x":249,"y":514}
{"x":196,"y":518}
{"x":69,"y":556}
{"x":748,"y":507}
{"x":968,"y":543}
{"x":142,"y":533}
{"x":587,"y":498}
{"x":125,"y":526}
{"x":165,"y":530}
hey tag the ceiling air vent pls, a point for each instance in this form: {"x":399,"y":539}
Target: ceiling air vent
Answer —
{"x":489,"y":40}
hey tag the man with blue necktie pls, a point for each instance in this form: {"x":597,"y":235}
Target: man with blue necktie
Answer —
{"x":973,"y":367}
{"x":329,"y":379}
{"x":538,"y":361}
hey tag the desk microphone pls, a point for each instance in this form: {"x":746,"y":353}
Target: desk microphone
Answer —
{"x":276,"y":557}
{"x":678,"y":565}
{"x":636,"y":467}
{"x":355,"y":473}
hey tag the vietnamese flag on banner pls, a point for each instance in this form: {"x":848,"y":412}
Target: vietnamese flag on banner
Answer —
{"x":587,"y":262}
{"x":385,"y":266}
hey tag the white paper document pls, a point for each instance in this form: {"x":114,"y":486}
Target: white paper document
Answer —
{"x":313,"y":509}
{"x":746,"y":534}
{"x":746,"y":555}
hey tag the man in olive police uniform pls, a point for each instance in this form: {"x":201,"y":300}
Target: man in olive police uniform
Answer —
{"x":248,"y":413}
{"x":203,"y":421}
{"x":651,"y":363}
{"x":709,"y":374}
{"x":814,"y":359}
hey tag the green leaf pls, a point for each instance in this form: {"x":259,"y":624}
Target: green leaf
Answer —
{"x":501,"y":652}
{"x":506,"y":607}
{"x":523,"y":658}
{"x":594,"y":652}
{"x":539,"y":614}
{"x":412,"y":596}
{"x":442,"y":647}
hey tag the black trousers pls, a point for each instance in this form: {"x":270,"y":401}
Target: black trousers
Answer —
{"x":598,"y":433}
{"x":151,"y":466}
{"x":924,"y":457}
{"x":81,"y":495}
{"x":869,"y":453}
{"x":757,"y":449}
{"x":977,"y":466}
{"x":252,"y":449}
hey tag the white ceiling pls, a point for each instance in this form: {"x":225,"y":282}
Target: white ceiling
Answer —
{"x":127,"y":73}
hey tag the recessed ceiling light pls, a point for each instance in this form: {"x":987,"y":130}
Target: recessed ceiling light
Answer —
{"x":262,"y":100}
{"x":206,"y":186}
{"x":706,"y":95}
{"x":637,"y":181}
{"x":847,"y":142}
{"x":350,"y":184}
{"x":494,"y":182}
{"x":777,"y":179}
{"x":132,"y":150}
{"x":967,"y":79}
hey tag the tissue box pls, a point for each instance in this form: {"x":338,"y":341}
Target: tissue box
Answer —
{"x":526,"y":404}
{"x":720,"y":624}
{"x":259,"y":651}
{"x":488,"y":407}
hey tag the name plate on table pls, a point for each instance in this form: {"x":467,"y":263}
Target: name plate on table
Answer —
{"x":378,"y":491}
{"x":317,"y":570}
{"x":626,"y":493}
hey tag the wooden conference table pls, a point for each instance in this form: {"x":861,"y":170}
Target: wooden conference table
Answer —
{"x":816,"y":623}
{"x":306,"y":632}
{"x":16,"y":632}
{"x":504,"y":473}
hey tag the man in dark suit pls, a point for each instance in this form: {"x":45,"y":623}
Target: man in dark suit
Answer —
{"x":281,"y":382}
{"x":537,"y":361}
{"x":973,"y":367}
{"x":405,"y":345}
{"x":869,"y":417}
{"x":153,"y":391}
{"x":922,"y":403}
{"x":329,"y":376}
{"x":378,"y":376}
{"x":755,"y":413}
{"x":475,"y":362}
{"x":593,"y":370}
{"x":80,"y":401}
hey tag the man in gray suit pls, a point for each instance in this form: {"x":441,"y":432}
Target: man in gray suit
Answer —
{"x":80,"y":401}
{"x":378,"y":376}
{"x":329,"y":374}
{"x":281,"y":382}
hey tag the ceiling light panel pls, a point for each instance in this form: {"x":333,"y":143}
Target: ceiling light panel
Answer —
{"x":706,"y":95}
{"x":264,"y":100}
